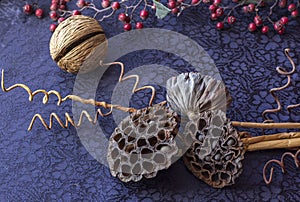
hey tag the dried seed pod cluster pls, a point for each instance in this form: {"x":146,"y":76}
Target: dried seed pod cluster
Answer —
{"x":192,"y":93}
{"x":75,"y":40}
{"x":143,"y":143}
{"x":217,"y":153}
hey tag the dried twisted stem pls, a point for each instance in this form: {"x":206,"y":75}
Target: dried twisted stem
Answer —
{"x":281,"y":164}
{"x":61,"y":99}
{"x":137,"y":80}
{"x":68,"y":119}
{"x":31,"y":95}
{"x":288,"y":74}
{"x":290,"y":107}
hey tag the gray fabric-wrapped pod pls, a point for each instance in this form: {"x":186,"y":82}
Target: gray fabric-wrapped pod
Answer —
{"x":192,"y":93}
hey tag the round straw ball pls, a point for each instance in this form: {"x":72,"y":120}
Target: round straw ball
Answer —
{"x":75,"y":40}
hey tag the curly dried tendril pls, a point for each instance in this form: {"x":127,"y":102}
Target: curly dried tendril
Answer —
{"x":47,"y":94}
{"x":288,"y":74}
{"x":68,"y":119}
{"x":136,"y":77}
{"x":295,"y":157}
{"x":76,"y":98}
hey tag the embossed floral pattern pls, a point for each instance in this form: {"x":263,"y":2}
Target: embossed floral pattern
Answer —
{"x":54,"y":165}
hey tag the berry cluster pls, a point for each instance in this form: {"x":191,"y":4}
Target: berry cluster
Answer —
{"x":123,"y":9}
{"x":177,"y":6}
{"x":58,"y":11}
{"x":261,"y":12}
{"x":30,"y":9}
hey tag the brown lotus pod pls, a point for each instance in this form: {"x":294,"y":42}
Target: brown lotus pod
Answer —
{"x":216,"y":153}
{"x":75,"y":40}
{"x":143,"y":143}
{"x":192,"y":93}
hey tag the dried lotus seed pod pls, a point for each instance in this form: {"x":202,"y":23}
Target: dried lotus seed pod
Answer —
{"x":192,"y":93}
{"x":143,"y":143}
{"x":217,"y":152}
{"x":206,"y":128}
{"x":75,"y":40}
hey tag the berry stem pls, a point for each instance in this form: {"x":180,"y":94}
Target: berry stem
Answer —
{"x":235,"y":7}
{"x":271,"y":11}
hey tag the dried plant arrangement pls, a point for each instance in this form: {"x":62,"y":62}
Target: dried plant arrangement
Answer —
{"x":148,"y":139}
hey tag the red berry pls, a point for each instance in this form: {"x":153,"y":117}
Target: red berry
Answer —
{"x":62,"y":7}
{"x":217,"y":2}
{"x":281,"y":31}
{"x":122,"y":17}
{"x":212,"y":8}
{"x":252,"y":27}
{"x":278,"y":25}
{"x":127,"y":19}
{"x":27,"y":9}
{"x":294,"y":13}
{"x":139,"y":25}
{"x":53,"y":7}
{"x":220,"y":25}
{"x":80,"y":3}
{"x":76,"y":12}
{"x":292,"y":7}
{"x":60,"y":20}
{"x":144,"y":14}
{"x":39,"y":13}
{"x":265,"y":29}
{"x":127,"y":27}
{"x":54,"y":2}
{"x":53,"y":15}
{"x":258,"y":21}
{"x":284,"y":20}
{"x":115,"y":5}
{"x":172,"y":4}
{"x":175,"y":10}
{"x":105,"y":3}
{"x":195,"y":2}
{"x":231,"y":20}
{"x":219,"y":12}
{"x":245,"y":9}
{"x":213,"y":16}
{"x":52,"y":27}
{"x":206,"y":1}
{"x":282,"y":3}
{"x":251,"y":7}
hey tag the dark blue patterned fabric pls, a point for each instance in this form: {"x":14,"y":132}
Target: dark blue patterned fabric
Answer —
{"x":53,"y":165}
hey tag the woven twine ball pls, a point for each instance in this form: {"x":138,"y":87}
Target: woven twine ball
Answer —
{"x":76,"y":41}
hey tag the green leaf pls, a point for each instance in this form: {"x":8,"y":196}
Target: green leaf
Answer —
{"x":161,"y":10}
